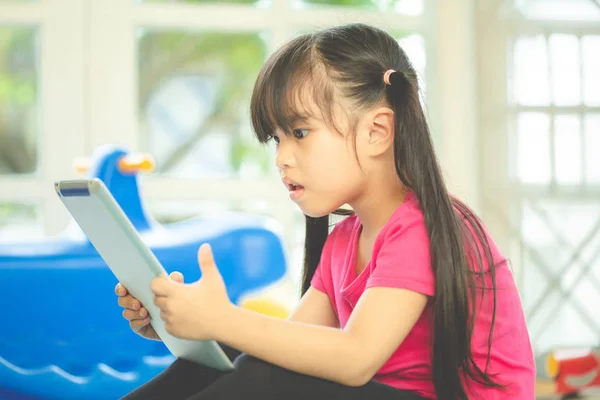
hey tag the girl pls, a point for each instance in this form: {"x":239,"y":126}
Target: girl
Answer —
{"x":408,"y":298}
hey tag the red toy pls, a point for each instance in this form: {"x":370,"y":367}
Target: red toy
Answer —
{"x":573,"y":370}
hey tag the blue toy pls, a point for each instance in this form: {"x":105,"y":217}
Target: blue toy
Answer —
{"x":62,"y":334}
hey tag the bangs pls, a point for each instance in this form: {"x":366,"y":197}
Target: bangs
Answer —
{"x":292,"y":80}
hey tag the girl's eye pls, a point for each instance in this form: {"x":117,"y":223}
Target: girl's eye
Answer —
{"x":300,"y":133}
{"x":275,"y":139}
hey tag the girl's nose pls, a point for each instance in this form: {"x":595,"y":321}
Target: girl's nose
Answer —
{"x":285,"y":157}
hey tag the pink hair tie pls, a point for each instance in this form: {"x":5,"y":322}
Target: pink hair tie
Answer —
{"x":386,"y":76}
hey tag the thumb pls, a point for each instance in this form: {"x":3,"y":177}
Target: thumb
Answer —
{"x":176,"y":276}
{"x":207,"y":262}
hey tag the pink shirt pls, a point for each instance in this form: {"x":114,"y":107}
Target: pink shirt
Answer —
{"x":401,"y":259}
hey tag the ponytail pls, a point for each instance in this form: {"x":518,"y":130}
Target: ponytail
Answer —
{"x":457,"y":239}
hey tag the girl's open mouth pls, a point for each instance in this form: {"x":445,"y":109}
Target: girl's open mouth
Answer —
{"x":295,"y":191}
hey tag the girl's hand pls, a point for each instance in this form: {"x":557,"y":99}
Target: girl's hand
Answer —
{"x":193,"y":311}
{"x":136,"y":314}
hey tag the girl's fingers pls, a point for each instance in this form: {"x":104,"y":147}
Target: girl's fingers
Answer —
{"x":130,"y":303}
{"x":132,"y":315}
{"x":120,"y":290}
{"x":138,"y":324}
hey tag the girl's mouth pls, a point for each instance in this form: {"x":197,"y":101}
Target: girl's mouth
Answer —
{"x":294,"y":188}
{"x":295,"y":191}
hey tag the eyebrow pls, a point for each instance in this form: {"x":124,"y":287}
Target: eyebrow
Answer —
{"x":299,"y":118}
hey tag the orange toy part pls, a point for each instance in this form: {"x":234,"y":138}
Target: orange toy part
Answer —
{"x":130,"y":164}
{"x":134,"y":163}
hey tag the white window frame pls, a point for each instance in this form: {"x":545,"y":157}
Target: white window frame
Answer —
{"x":498,"y":28}
{"x":98,"y":98}
{"x":60,"y":97}
{"x":450,"y":59}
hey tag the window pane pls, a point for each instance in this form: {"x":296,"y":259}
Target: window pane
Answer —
{"x":592,"y":146}
{"x":531,"y":71}
{"x":560,"y":248}
{"x":560,"y":9}
{"x":19,"y":222}
{"x":259,"y":3}
{"x":567,"y":149}
{"x":533,"y":148}
{"x":18,"y":100}
{"x":414,"y":47}
{"x":408,"y":7}
{"x":590,"y":48}
{"x":194,"y":96}
{"x":566,"y":71}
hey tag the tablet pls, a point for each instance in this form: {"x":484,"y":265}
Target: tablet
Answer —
{"x":109,"y":230}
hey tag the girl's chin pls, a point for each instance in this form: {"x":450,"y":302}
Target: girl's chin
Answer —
{"x":315,"y":213}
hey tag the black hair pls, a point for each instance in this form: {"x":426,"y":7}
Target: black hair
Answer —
{"x":350,"y":61}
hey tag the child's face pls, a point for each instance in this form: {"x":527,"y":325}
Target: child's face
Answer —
{"x":321,"y":160}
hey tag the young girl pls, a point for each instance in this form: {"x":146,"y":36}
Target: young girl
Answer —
{"x":408,"y":298}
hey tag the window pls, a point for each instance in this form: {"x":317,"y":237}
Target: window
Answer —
{"x":546,"y":200}
{"x":18,"y":100}
{"x":559,"y":10}
{"x":18,"y":220}
{"x":171,"y":78}
{"x":41,"y":112}
{"x":194,"y":92}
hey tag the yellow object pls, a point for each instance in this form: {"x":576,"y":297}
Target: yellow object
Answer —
{"x":552,"y":366}
{"x":266,"y":307}
{"x":81,"y":165}
{"x":133,"y":163}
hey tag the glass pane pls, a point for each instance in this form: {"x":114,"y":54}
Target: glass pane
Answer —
{"x":560,"y":9}
{"x":566,"y":71}
{"x":561,"y":247}
{"x":194,"y":96}
{"x":592,"y":146}
{"x":256,"y":2}
{"x":414,"y":47}
{"x":587,"y":297}
{"x":594,"y":262}
{"x":565,"y":327}
{"x":533,"y":148}
{"x":531,"y":71}
{"x":590,"y":48}
{"x":18,"y":100}
{"x":408,"y":7}
{"x":567,"y":149}
{"x":19,"y":222}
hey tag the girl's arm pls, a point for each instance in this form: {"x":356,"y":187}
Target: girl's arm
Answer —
{"x":378,"y":325}
{"x":315,"y":308}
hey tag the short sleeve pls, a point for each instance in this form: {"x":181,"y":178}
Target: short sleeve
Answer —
{"x":402,"y":258}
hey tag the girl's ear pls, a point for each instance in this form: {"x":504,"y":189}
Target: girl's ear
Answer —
{"x":379,"y":127}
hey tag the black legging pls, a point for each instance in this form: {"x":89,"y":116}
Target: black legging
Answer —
{"x":253,"y":379}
